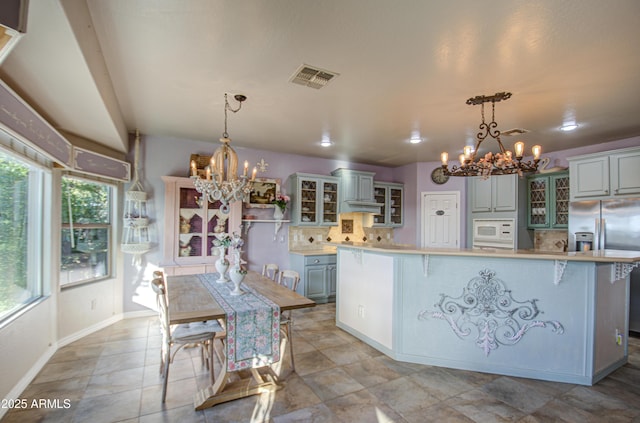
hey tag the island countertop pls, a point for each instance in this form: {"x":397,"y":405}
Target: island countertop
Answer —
{"x":600,"y":256}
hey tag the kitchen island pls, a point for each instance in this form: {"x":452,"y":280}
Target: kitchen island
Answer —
{"x":551,"y":316}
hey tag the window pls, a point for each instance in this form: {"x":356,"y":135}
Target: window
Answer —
{"x":86,"y":231}
{"x":21,"y":205}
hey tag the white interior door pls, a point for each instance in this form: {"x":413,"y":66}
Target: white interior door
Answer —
{"x":441,"y":219}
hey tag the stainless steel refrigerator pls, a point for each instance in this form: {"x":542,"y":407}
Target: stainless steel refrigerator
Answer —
{"x":615,"y":225}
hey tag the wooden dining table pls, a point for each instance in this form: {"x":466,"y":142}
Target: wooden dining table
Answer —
{"x":191,"y":301}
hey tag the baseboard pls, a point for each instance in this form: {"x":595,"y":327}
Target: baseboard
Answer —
{"x":88,"y":331}
{"x":141,"y":313}
{"x":24,"y":382}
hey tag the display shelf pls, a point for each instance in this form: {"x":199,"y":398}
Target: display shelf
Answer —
{"x":247,"y":223}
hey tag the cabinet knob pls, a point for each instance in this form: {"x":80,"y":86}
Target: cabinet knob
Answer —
{"x":316,"y":261}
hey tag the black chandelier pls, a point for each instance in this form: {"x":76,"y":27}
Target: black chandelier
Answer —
{"x":502,"y":163}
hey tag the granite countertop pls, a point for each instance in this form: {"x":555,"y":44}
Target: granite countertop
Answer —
{"x":601,"y":256}
{"x":321,"y":251}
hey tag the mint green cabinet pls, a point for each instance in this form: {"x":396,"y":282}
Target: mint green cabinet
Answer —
{"x":390,"y":196}
{"x":494,"y":194}
{"x":314,"y":200}
{"x":548,"y":205}
{"x":318,"y":275}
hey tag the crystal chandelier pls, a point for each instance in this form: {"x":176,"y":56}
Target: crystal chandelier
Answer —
{"x":502,"y":163}
{"x":221,"y":181}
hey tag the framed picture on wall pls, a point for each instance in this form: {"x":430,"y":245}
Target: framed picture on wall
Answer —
{"x":263,"y":193}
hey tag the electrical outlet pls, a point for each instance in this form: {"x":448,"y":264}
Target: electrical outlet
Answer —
{"x":361,"y":311}
{"x":618,"y":337}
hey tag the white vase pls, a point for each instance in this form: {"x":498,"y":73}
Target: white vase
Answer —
{"x":222,"y":265}
{"x":236,"y":278}
{"x":278,"y":213}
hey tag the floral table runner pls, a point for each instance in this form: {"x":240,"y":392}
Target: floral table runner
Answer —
{"x":253,"y":325}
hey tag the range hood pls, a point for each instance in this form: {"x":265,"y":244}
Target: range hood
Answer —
{"x":356,"y":192}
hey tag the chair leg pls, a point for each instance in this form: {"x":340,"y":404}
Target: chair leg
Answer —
{"x":165,"y":375}
{"x":210,"y":362}
{"x":290,"y":336}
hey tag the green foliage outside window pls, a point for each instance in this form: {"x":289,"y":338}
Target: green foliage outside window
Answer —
{"x":14,"y":185}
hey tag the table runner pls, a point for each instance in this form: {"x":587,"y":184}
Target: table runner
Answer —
{"x":253,"y":325}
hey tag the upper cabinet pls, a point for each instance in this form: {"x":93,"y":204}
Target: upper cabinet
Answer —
{"x":315,"y":199}
{"x":605,"y":175}
{"x":390,"y":197}
{"x":356,"y":191}
{"x":548,"y":206}
{"x":190,"y":225}
{"x":494,"y":194}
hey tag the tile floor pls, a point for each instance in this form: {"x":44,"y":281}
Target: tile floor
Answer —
{"x":112,"y":376}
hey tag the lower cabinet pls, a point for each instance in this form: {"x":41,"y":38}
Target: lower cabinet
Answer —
{"x":317,"y":276}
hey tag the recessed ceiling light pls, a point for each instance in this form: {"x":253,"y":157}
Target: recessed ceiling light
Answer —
{"x":569,"y":127}
{"x":415,"y":137}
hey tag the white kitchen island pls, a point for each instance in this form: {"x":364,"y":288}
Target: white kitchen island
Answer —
{"x":551,"y":316}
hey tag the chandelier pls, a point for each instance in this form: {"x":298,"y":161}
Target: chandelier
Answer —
{"x":502,"y":163}
{"x":221,"y":181}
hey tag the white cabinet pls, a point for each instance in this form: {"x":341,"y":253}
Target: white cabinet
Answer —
{"x":189,"y":227}
{"x":625,"y":172}
{"x":390,"y":197}
{"x":315,"y":200}
{"x":605,"y":175}
{"x":318,"y":276}
{"x":495,"y":194}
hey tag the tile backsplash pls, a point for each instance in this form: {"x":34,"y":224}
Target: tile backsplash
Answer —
{"x":357,"y":228}
{"x":550,"y":240}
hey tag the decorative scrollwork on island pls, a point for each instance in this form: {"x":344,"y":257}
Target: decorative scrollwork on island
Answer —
{"x":487,"y":310}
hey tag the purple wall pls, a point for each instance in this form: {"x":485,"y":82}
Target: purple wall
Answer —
{"x":170,"y":156}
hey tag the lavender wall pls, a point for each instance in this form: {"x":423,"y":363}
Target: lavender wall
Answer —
{"x":170,"y":156}
{"x":161,"y":156}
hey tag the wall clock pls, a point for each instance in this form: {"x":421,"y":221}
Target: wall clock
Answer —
{"x":438,"y":176}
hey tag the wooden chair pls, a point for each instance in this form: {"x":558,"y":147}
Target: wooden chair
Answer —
{"x":202,"y":334}
{"x":289,"y":279}
{"x":271,"y":271}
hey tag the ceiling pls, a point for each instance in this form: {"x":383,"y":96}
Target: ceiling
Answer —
{"x":100,"y":69}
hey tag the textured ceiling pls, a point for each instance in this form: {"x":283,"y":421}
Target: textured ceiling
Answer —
{"x":100,"y":69}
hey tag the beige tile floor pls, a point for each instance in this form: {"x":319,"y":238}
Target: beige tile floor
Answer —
{"x":112,"y":376}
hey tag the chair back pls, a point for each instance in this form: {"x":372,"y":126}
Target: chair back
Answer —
{"x":289,"y":278}
{"x":163,"y":308}
{"x":271,"y":271}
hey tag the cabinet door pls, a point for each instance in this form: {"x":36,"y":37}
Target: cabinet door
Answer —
{"x":380,"y":196}
{"x":315,"y":282}
{"x":329,"y":203}
{"x":589,"y":177}
{"x":308,"y":195}
{"x":396,"y":205}
{"x":505,"y":192}
{"x":559,"y":201}
{"x":480,"y":190}
{"x":191,"y":238}
{"x":331,"y":281}
{"x":538,"y":207}
{"x":625,"y":173}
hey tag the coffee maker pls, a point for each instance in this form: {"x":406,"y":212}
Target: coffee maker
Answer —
{"x":584,"y":241}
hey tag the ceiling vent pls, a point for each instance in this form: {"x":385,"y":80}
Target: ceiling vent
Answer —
{"x":312,"y":77}
{"x":514,"y":131}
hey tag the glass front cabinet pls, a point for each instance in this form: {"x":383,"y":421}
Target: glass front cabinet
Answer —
{"x":389,"y":195}
{"x":315,"y":200}
{"x":190,"y":227}
{"x":548,"y":206}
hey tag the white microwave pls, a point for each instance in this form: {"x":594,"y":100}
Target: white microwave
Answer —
{"x":494,"y":233}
